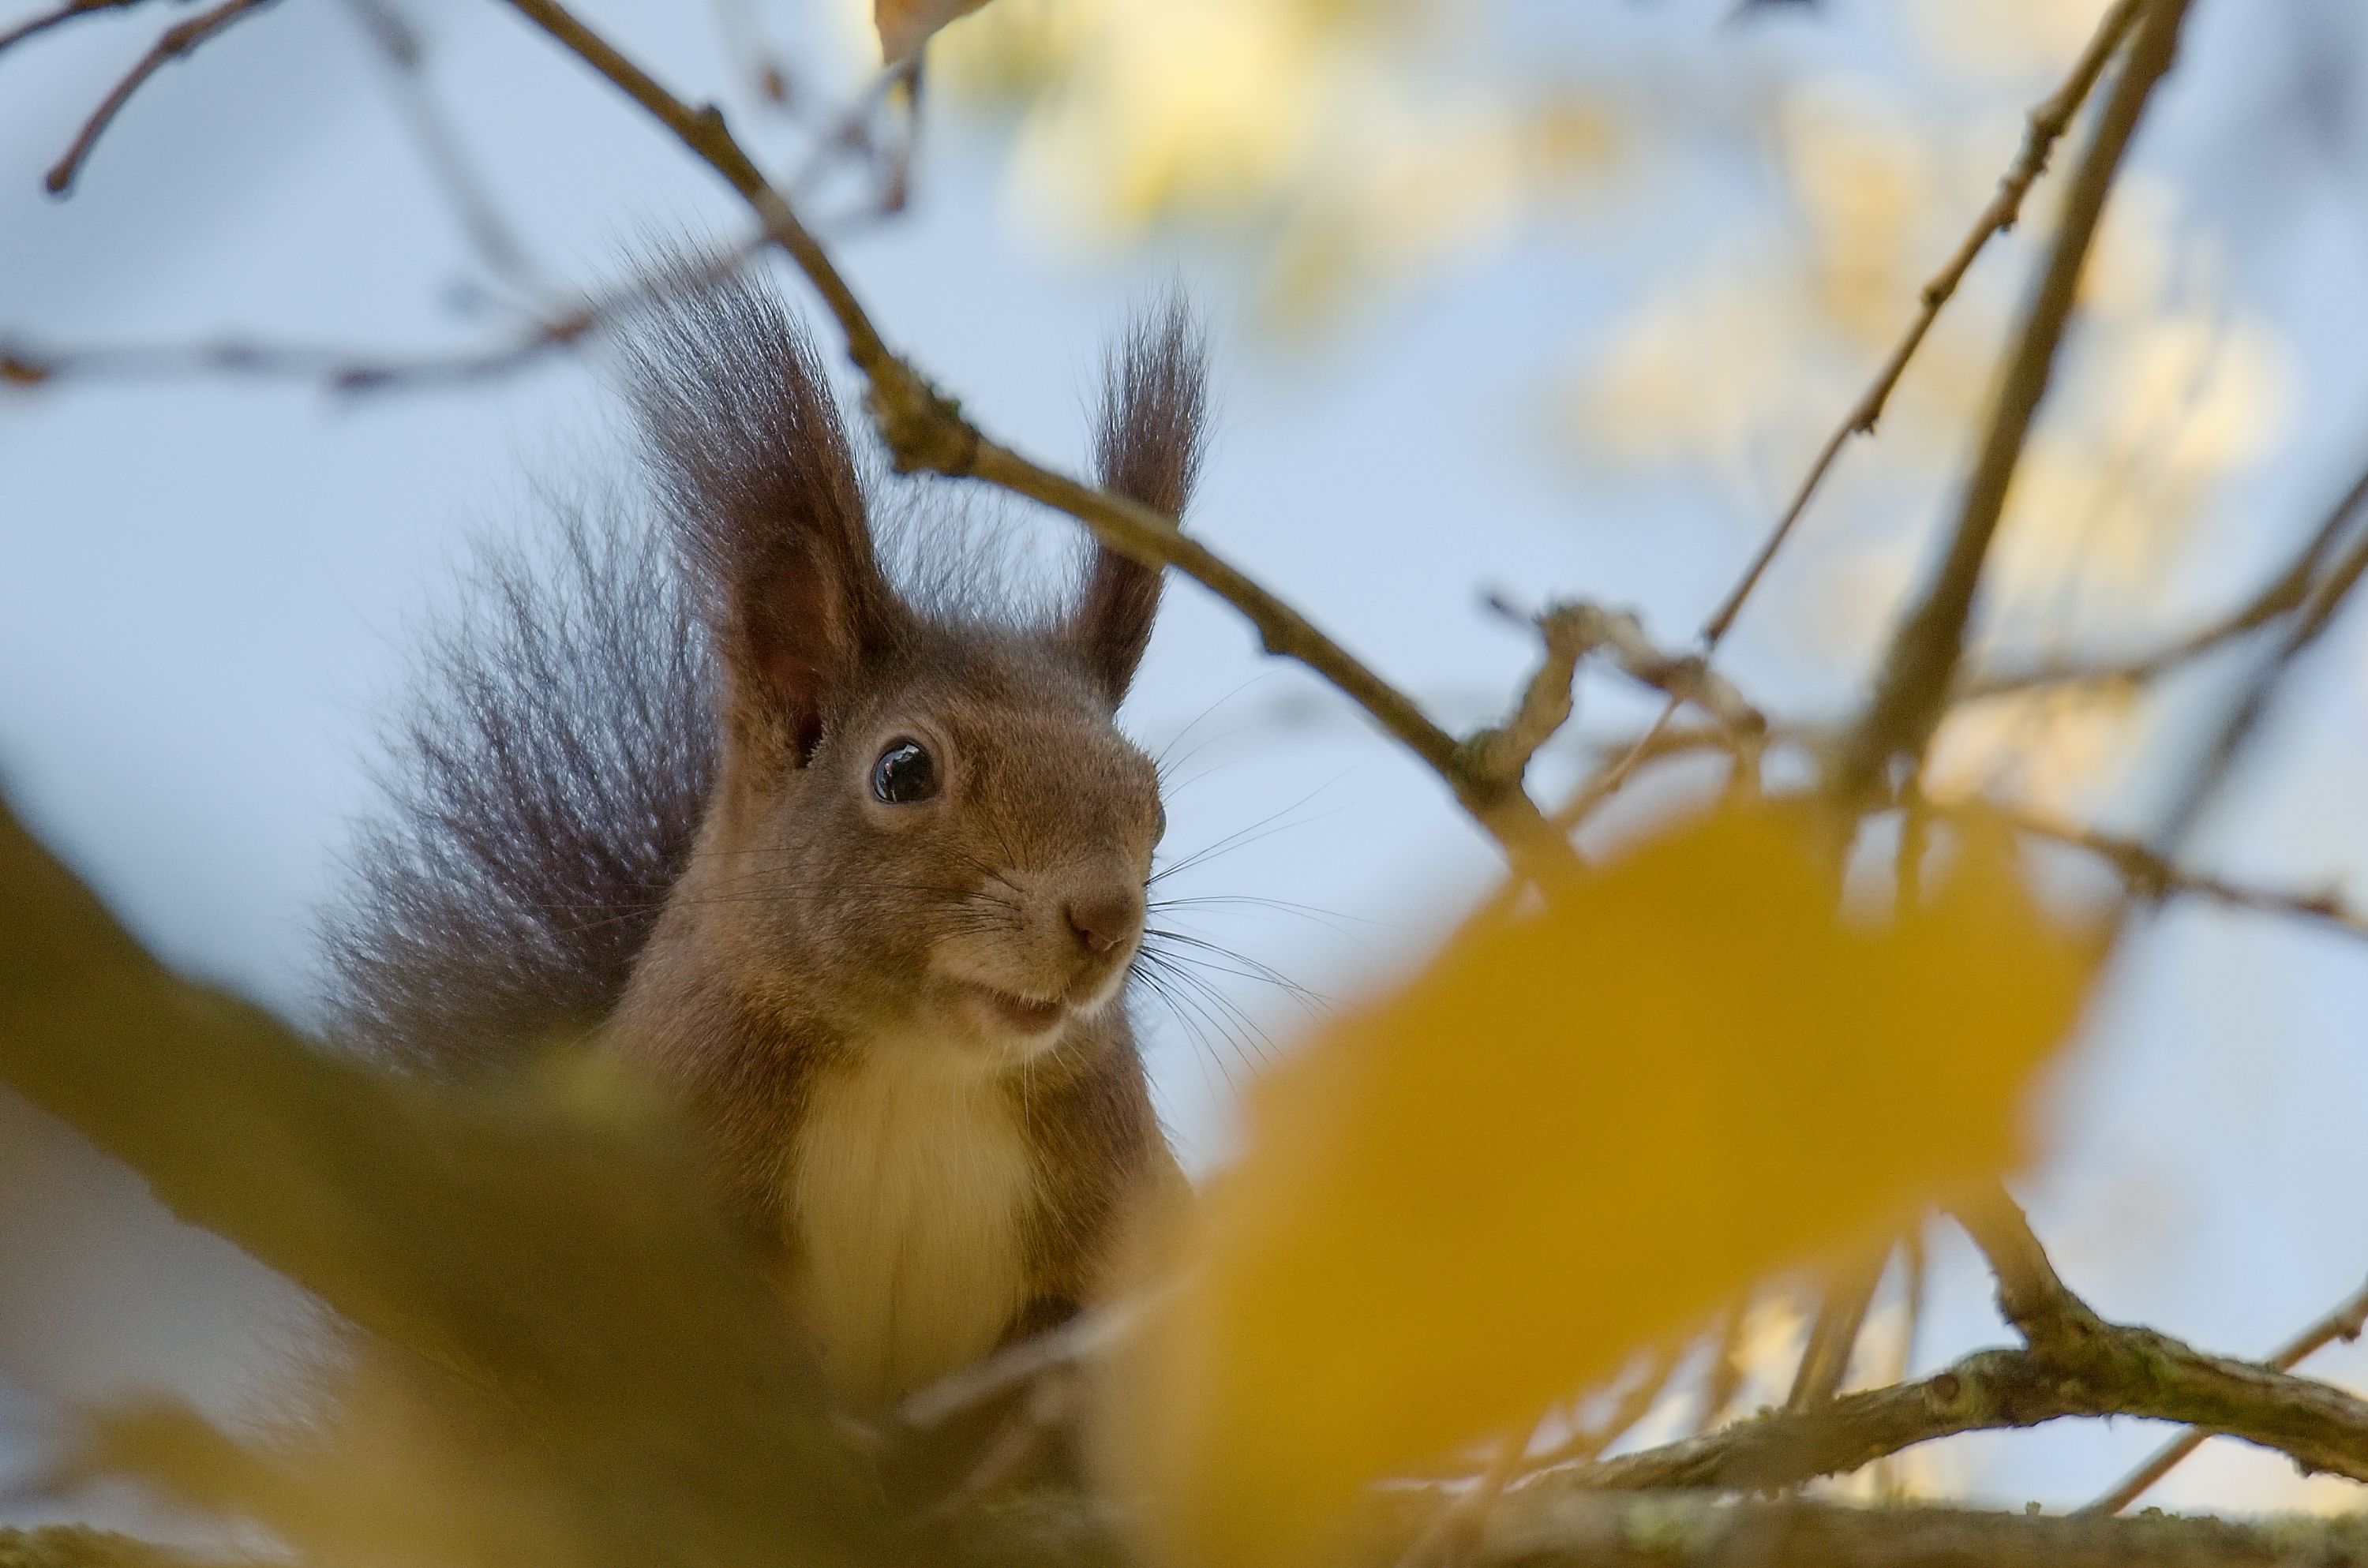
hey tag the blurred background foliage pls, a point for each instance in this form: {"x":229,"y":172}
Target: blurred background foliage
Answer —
{"x":1345,"y":153}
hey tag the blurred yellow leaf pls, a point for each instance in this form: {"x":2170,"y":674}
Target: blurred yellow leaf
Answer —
{"x":906,"y":25}
{"x":1571,"y":1134}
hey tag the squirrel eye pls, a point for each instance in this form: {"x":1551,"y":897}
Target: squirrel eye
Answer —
{"x":906,"y":774}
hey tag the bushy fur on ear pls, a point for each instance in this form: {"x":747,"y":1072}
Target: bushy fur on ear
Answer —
{"x":1148,"y":447}
{"x":766,"y":504}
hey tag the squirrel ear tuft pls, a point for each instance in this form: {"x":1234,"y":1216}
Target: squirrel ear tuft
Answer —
{"x":766,"y":507}
{"x":1147,"y":448}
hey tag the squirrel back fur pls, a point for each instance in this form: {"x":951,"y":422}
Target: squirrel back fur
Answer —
{"x":862,"y":879}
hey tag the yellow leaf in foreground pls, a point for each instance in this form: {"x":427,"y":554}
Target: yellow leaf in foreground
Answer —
{"x":1571,"y":1134}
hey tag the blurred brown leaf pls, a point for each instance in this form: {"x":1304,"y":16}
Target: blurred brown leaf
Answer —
{"x":904,"y":26}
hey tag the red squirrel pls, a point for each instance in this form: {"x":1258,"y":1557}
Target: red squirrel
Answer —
{"x":860,"y":875}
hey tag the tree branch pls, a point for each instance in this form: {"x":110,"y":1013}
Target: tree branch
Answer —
{"x":1911,"y":689}
{"x":45,"y":20}
{"x":2326,"y":600}
{"x":2045,"y":126}
{"x":1571,"y":631}
{"x":2289,"y":591}
{"x":2072,"y":1363}
{"x":442,"y":150}
{"x":353,"y":371}
{"x":2344,"y":1320}
{"x":2042,"y":129}
{"x":2150,"y":875}
{"x":924,"y":430}
{"x":179,"y":39}
{"x":2123,"y":1371}
{"x":1833,"y":1333}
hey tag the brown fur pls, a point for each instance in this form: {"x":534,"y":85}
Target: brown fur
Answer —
{"x":809,"y":931}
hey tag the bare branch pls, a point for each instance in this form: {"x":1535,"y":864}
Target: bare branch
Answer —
{"x":176,"y":41}
{"x":1632,"y":1407}
{"x":2122,"y":1371}
{"x":2073,"y":1363}
{"x":1502,"y":752}
{"x":2150,"y":875}
{"x":2344,"y":1320}
{"x":1571,"y":631}
{"x":399,"y":45}
{"x":349,"y":371}
{"x":925,"y":430}
{"x":1912,"y":687}
{"x":2289,"y":591}
{"x":2045,"y":126}
{"x":2030,"y":1295}
{"x":2327,"y":598}
{"x":1833,"y":1334}
{"x":1079,"y":1342}
{"x":65,"y":13}
{"x":343,"y":370}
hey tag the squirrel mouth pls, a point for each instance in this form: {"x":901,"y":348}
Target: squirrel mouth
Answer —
{"x":1023,"y":1014}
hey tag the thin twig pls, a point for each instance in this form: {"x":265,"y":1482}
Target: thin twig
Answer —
{"x":2045,"y":126}
{"x":1571,"y":631}
{"x":338,"y":370}
{"x":1447,"y":1540}
{"x":65,"y":13}
{"x":2131,"y":1372}
{"x":2289,"y":591}
{"x":175,"y":41}
{"x":349,"y":371}
{"x":1912,"y":686}
{"x":1502,"y":752}
{"x":1632,"y":1406}
{"x":2344,"y":1320}
{"x":2150,"y":875}
{"x":441,"y":149}
{"x":1082,"y":1339}
{"x":2031,"y":1296}
{"x":1724,"y":1377}
{"x":925,"y":431}
{"x":1833,"y":1333}
{"x":2327,"y":598}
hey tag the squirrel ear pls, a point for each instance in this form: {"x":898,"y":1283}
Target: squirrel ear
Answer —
{"x":1148,"y":447}
{"x":766,"y":507}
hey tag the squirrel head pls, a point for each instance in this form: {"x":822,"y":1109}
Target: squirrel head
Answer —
{"x":920,"y":823}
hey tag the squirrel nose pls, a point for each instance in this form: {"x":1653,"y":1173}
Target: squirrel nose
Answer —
{"x":1103,"y":920}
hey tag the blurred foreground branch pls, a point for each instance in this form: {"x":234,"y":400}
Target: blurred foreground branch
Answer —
{"x":553,"y":1258}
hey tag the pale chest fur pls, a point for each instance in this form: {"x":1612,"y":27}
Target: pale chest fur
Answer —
{"x":911,"y":1201}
